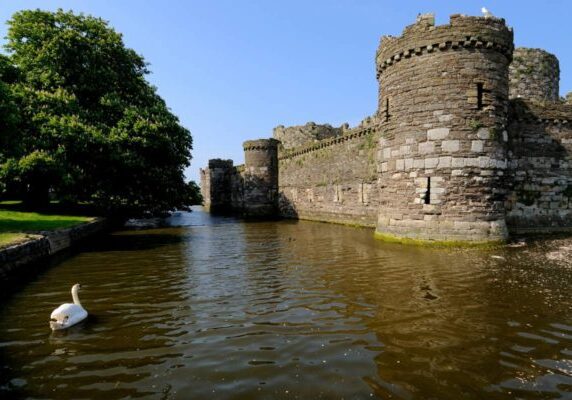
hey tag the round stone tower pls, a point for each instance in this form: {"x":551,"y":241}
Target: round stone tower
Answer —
{"x":443,"y":100}
{"x":534,"y":75}
{"x":260,"y":178}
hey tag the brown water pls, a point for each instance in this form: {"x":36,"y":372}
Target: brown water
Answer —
{"x":217,"y":308}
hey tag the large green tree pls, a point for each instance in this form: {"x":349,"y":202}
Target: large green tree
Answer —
{"x":91,"y":127}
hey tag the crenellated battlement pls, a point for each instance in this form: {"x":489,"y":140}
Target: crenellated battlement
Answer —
{"x":220,"y":163}
{"x":260,"y":144}
{"x":462,"y":32}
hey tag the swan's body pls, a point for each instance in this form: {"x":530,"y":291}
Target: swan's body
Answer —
{"x":68,"y":314}
{"x":486,"y":13}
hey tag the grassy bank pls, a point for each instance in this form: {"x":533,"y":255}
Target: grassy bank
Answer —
{"x":9,"y":238}
{"x":16,"y":223}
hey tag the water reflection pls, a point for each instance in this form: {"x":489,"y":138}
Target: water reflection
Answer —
{"x":215,"y":307}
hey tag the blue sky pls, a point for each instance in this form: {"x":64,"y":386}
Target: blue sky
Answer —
{"x":232,"y":70}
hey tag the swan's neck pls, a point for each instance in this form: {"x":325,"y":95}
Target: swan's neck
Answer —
{"x":75,"y":297}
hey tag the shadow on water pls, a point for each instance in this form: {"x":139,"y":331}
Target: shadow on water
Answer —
{"x":117,"y":242}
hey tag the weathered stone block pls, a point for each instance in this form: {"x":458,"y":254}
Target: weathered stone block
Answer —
{"x":450,"y":145}
{"x":426,"y":147}
{"x":431,"y":162}
{"x":405,"y":150}
{"x":444,"y":162}
{"x":437,"y":133}
{"x":483,"y":133}
{"x":477,"y":146}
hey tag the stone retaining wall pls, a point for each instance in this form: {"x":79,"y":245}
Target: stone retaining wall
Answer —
{"x":15,"y":258}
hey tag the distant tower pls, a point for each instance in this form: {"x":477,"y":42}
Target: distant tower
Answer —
{"x":534,"y":75}
{"x":260,"y":198}
{"x":216,"y":185}
{"x":443,"y":98}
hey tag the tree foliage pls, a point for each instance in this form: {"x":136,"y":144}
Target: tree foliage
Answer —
{"x":84,"y":104}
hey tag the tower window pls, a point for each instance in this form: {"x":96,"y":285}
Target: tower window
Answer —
{"x":428,"y":192}
{"x":386,"y":109}
{"x":480,"y":92}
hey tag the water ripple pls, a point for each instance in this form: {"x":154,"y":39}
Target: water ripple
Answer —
{"x":213,"y":307}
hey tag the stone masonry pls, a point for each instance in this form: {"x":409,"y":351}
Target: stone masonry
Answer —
{"x":296,"y":136}
{"x":470,"y":142}
{"x":534,"y":75}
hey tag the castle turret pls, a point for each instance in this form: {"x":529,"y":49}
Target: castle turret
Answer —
{"x":260,"y":178}
{"x":534,"y":75}
{"x":443,"y":100}
{"x":216,"y":185}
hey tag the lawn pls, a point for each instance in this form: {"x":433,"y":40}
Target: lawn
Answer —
{"x":20,"y":221}
{"x":15,"y":223}
{"x":11,"y":238}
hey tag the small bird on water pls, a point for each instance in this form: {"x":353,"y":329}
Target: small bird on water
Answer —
{"x":486,"y":13}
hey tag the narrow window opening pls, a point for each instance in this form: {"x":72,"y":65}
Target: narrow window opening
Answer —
{"x":428,"y":192}
{"x":480,"y":92}
{"x":386,"y":110}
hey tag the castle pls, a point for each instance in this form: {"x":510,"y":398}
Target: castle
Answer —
{"x":470,"y":143}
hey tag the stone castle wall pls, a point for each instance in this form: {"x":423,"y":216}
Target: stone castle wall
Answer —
{"x":534,"y":75}
{"x":446,"y":157}
{"x":302,"y":135}
{"x":540,"y":166}
{"x":333,"y":180}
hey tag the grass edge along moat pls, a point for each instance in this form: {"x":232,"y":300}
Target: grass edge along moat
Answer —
{"x":18,"y":225}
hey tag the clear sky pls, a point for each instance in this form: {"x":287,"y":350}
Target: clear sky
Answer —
{"x":232,"y":70}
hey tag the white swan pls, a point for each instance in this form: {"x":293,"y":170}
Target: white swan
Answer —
{"x":68,"y":314}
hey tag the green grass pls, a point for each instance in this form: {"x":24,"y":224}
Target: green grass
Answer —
{"x":16,"y":222}
{"x":11,"y":238}
{"x":20,"y":221}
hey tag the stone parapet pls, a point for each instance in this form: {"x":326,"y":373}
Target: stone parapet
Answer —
{"x":348,"y":135}
{"x":463,"y":32}
{"x":541,"y":113}
{"x":296,"y":136}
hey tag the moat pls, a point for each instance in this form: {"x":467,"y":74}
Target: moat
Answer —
{"x":215,"y":307}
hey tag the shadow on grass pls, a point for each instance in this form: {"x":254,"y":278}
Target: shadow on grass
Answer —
{"x":55,"y":207}
{"x":15,"y":225}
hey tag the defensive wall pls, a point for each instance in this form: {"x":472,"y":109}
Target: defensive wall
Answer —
{"x":470,"y":142}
